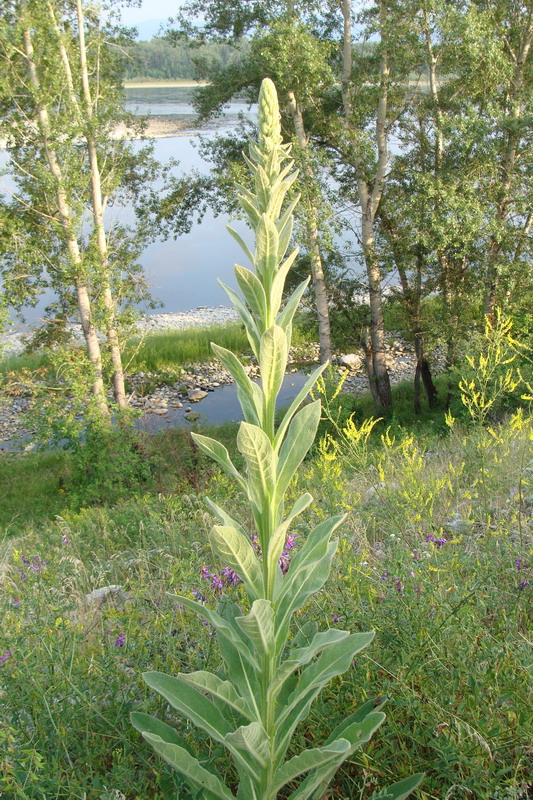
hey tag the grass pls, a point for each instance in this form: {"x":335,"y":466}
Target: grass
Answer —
{"x":452,"y":620}
{"x":159,"y":351}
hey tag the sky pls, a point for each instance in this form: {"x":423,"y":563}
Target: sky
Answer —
{"x":150,"y":9}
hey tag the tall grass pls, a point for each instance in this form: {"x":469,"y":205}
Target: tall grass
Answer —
{"x":174,"y":347}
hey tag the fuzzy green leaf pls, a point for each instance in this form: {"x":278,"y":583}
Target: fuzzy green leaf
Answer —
{"x":333,"y":661}
{"x":273,"y":361}
{"x":278,"y":283}
{"x":240,"y":241}
{"x":277,"y":540}
{"x":260,"y":459}
{"x":296,"y":403}
{"x":300,"y":436}
{"x":253,"y":740}
{"x":236,"y":552}
{"x":218,"y":453}
{"x":191,"y":703}
{"x":266,"y":255}
{"x":144,"y":723}
{"x":189,"y":766}
{"x":248,"y":321}
{"x":310,"y":759}
{"x":285,"y":317}
{"x":258,"y":625}
{"x":253,"y":291}
{"x":216,"y":687}
{"x":249,"y":394}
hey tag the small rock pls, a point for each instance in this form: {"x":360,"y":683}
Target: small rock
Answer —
{"x":351,"y":360}
{"x":195,"y":395}
{"x":192,"y":416}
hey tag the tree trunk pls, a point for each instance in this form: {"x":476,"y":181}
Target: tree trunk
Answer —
{"x":370,"y":194}
{"x":311,"y":227}
{"x":82,"y":293}
{"x":98,"y":216}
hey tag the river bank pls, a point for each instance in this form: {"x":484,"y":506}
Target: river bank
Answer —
{"x":204,"y":392}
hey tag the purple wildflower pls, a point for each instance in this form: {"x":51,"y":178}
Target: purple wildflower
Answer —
{"x":230,"y":577}
{"x":398,"y":585}
{"x":416,"y":555}
{"x":120,"y":641}
{"x":65,"y":539}
{"x":200,"y":597}
{"x":411,"y":574}
{"x":206,"y":572}
{"x":335,"y":618}
{"x":437,"y":542}
{"x":15,"y":602}
{"x":523,"y":585}
{"x":384,"y":575}
{"x":520,"y":564}
{"x":291,"y":542}
{"x":217,"y":583}
{"x":5,"y":657}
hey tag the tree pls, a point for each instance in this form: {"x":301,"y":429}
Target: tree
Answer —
{"x":62,"y":100}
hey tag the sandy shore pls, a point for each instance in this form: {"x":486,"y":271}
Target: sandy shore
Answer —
{"x":184,"y":84}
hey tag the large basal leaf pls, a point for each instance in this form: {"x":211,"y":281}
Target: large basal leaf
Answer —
{"x":253,"y":291}
{"x":400,"y":790}
{"x":189,"y":766}
{"x":310,"y":759}
{"x":273,"y":361}
{"x":236,"y":552}
{"x":216,"y":687}
{"x":260,"y":459}
{"x":296,"y":403}
{"x":300,"y":437}
{"x":144,"y":723}
{"x":218,"y":453}
{"x":258,"y":625}
{"x":191,"y":703}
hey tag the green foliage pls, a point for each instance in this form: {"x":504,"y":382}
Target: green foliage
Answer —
{"x":451,"y":646}
{"x":254,"y":713}
{"x":173,"y":348}
{"x":161,"y":59}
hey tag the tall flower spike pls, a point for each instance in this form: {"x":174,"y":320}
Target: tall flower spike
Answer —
{"x":255,"y":707}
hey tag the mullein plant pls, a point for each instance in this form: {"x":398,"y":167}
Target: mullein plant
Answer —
{"x":270,"y":680}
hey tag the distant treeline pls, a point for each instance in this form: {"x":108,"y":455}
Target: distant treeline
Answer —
{"x":159,"y":59}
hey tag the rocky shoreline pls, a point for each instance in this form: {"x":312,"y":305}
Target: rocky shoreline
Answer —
{"x":162,"y":394}
{"x":13,"y":344}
